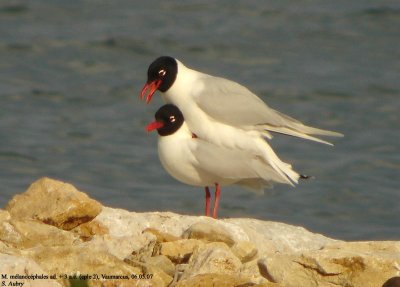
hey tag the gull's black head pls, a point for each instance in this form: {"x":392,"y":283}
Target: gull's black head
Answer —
{"x":168,"y":120}
{"x":165,"y":69}
{"x":161,"y":76}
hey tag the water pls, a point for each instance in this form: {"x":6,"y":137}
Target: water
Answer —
{"x":71,"y":72}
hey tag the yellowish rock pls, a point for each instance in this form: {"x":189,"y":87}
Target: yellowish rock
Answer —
{"x":54,"y":202}
{"x":162,"y":236}
{"x":210,"y":231}
{"x":213,"y":280}
{"x":158,"y":276}
{"x":87,"y":230}
{"x":13,"y":265}
{"x":9,"y":235}
{"x":4,"y":215}
{"x":27,"y":233}
{"x":244,"y":250}
{"x":364,"y":264}
{"x":214,"y":252}
{"x":7,"y":249}
{"x":72,"y":260}
{"x":214,"y":257}
{"x":148,"y":250}
{"x":251,"y":271}
{"x":162,"y":262}
{"x":180,"y":250}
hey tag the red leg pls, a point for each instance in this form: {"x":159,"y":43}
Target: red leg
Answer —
{"x":216,"y":199}
{"x":207,"y":201}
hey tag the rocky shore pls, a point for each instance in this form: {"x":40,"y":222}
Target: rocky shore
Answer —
{"x":55,"y":235}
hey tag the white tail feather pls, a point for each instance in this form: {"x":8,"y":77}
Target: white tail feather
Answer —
{"x":282,"y":168}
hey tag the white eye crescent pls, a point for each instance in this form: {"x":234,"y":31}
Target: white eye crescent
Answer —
{"x":172,"y":119}
{"x":162,"y":72}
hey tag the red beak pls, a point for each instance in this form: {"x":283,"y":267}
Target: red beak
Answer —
{"x":152,"y":86}
{"x":154,"y":126}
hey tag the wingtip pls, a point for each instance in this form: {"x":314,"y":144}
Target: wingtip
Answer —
{"x":306,"y":177}
{"x":335,"y":134}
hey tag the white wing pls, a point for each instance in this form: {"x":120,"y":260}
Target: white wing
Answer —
{"x":249,"y":170}
{"x":234,"y":104}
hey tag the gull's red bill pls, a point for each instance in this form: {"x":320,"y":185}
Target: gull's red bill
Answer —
{"x":152,"y":88}
{"x":154,"y":126}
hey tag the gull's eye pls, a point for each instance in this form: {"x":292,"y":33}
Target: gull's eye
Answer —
{"x":172,"y":119}
{"x":162,"y":72}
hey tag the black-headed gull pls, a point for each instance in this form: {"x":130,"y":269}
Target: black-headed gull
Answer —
{"x":197,"y":162}
{"x":224,"y":112}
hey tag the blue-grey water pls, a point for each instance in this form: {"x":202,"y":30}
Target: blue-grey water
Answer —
{"x":71,"y":73}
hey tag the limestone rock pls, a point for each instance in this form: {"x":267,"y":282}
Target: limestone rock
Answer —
{"x":6,"y":249}
{"x":8,"y":234}
{"x":162,"y":236}
{"x":54,"y":202}
{"x":251,"y":271}
{"x":162,"y":262}
{"x":71,"y":260}
{"x":210,"y":231}
{"x":277,"y":268}
{"x":214,"y":257}
{"x":4,"y":215}
{"x":13,"y":265}
{"x":158,"y":276}
{"x":120,"y":247}
{"x":364,"y":264}
{"x":212,"y":280}
{"x":87,"y":230}
{"x":124,"y":223}
{"x":52,"y":224}
{"x":270,"y":237}
{"x":180,"y":250}
{"x":244,"y":250}
{"x":27,"y":233}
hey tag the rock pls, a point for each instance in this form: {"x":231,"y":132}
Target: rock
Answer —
{"x":54,"y":202}
{"x":88,"y":230}
{"x":4,"y":215}
{"x":275,"y":268}
{"x":162,"y":262}
{"x":124,"y":223}
{"x":343,"y":264}
{"x":120,"y":247}
{"x":271,"y":237}
{"x":13,"y":265}
{"x":27,"y":233}
{"x":244,"y":250}
{"x":5,"y":249}
{"x":214,"y":257}
{"x":179,"y":251}
{"x":72,"y":259}
{"x":162,"y":236}
{"x":147,"y":251}
{"x":61,"y":230}
{"x":251,"y":271}
{"x":210,"y":231}
{"x":211,"y":280}
{"x":158,"y":276}
{"x":8,"y":234}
